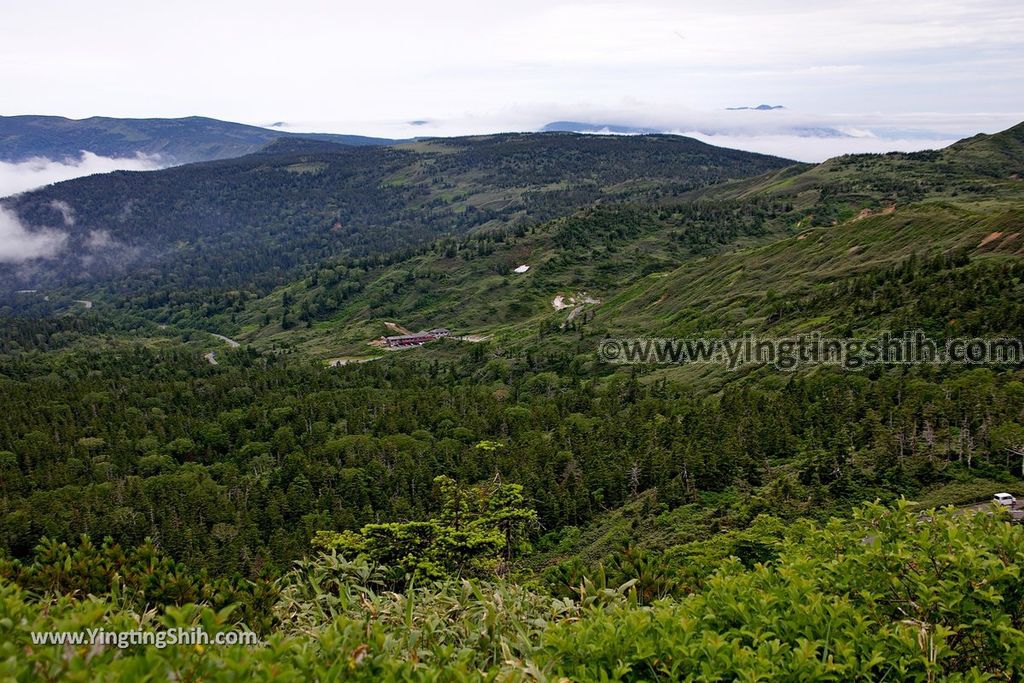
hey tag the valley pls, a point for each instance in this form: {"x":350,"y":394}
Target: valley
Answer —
{"x":230,"y":422}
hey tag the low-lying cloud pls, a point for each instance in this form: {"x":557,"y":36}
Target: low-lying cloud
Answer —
{"x":789,"y":132}
{"x":66,"y":212}
{"x":19,"y":244}
{"x":809,"y":148}
{"x":29,"y":246}
{"x":27,"y":175}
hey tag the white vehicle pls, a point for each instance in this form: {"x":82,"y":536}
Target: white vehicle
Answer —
{"x":1004,"y":499}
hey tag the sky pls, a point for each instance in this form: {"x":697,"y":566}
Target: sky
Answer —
{"x":860,"y":75}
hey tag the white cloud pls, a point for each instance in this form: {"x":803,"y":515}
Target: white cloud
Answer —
{"x":100,"y":239}
{"x":788,"y":133}
{"x":66,"y":211}
{"x":33,"y":173}
{"x":816,"y":149}
{"x":18,"y":243}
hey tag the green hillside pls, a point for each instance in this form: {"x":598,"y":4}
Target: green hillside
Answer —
{"x":996,"y":156}
{"x":470,"y":285}
{"x":749,"y":256}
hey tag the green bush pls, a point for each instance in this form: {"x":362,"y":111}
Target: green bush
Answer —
{"x":887,"y":595}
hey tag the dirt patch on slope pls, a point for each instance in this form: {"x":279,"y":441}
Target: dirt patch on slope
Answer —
{"x":994,"y":236}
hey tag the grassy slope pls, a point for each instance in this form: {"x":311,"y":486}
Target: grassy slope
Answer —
{"x":729,"y":293}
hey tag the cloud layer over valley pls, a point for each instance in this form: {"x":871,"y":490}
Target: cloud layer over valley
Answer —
{"x":33,"y":173}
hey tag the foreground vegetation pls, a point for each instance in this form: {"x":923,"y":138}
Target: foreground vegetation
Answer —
{"x":886,"y":595}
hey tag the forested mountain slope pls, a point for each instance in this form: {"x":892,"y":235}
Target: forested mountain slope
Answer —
{"x":249,"y":223}
{"x":272,"y":464}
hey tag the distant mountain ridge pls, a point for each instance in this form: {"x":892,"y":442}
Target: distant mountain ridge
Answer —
{"x":171,"y":141}
{"x":703,"y":128}
{"x":760,"y":107}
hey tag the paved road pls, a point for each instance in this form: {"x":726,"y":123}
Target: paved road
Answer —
{"x":227,"y":340}
{"x":211,"y":357}
{"x":1016,"y":512}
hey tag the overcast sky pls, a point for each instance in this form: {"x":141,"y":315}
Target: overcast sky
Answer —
{"x":911,"y":73}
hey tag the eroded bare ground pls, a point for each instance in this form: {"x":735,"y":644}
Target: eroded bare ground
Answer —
{"x":577,"y":303}
{"x":396,"y":328}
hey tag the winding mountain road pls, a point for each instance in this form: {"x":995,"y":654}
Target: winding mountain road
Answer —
{"x":211,"y":357}
{"x":227,"y":340}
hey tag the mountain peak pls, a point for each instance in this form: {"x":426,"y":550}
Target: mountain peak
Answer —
{"x":998,"y":155}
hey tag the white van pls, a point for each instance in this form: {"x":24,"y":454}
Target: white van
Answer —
{"x":1004,"y":499}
